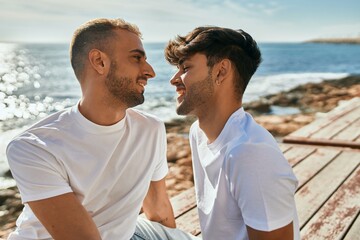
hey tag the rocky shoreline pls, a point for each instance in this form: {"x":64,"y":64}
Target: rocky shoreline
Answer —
{"x":310,"y":99}
{"x":354,"y":40}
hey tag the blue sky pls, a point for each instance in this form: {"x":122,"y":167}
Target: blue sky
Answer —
{"x":160,"y":20}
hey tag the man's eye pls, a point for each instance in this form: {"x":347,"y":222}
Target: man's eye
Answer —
{"x":185,"y":69}
{"x":138,"y":58}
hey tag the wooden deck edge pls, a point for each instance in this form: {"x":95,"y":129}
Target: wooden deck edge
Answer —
{"x":320,"y":142}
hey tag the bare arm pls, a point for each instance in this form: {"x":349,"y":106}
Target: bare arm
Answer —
{"x":284,"y":233}
{"x":157,"y":206}
{"x":64,"y":217}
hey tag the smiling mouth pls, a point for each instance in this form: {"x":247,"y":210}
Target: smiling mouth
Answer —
{"x":142,"y":82}
{"x":180,"y":91}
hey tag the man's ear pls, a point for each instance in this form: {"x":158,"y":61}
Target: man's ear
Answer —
{"x":99,"y":61}
{"x":223,"y":70}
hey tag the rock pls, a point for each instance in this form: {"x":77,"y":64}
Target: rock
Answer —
{"x":262,"y":106}
{"x":280,"y":126}
{"x":5,"y":194}
{"x":170,"y":182}
{"x":303,"y":119}
{"x":270,"y":119}
{"x":184,"y":152}
{"x":10,"y":209}
{"x":181,"y":125}
{"x":183,"y":185}
{"x":8,"y":174}
{"x":178,"y":147}
{"x":187,"y":161}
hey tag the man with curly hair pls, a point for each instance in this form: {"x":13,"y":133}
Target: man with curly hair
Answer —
{"x":244,"y":186}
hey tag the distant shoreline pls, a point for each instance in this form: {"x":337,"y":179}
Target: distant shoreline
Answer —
{"x":336,"y":40}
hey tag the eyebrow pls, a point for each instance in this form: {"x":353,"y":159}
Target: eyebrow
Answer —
{"x":141,"y":52}
{"x":182,"y":60}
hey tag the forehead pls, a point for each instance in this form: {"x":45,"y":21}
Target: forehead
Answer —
{"x":197,"y":58}
{"x":127,"y":41}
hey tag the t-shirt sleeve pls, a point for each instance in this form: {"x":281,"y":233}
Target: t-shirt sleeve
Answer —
{"x":161,"y":168}
{"x":263,"y":184}
{"x":36,"y":171}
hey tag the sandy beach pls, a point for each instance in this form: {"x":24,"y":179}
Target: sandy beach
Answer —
{"x":311,"y":100}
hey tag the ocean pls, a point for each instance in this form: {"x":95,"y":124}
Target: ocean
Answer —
{"x":37,"y":79}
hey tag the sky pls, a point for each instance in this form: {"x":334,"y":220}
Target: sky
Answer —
{"x":54,"y":21}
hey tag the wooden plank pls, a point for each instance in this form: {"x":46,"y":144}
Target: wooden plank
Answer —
{"x":337,"y":126}
{"x":298,"y":153}
{"x":354,"y":231}
{"x":313,"y":194}
{"x":322,"y":122}
{"x":314,"y":163}
{"x":189,"y":222}
{"x":184,"y":202}
{"x":352,"y":132}
{"x":335,"y":217}
{"x":323,"y":142}
{"x":285,"y":147}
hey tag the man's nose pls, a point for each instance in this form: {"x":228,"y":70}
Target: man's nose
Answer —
{"x":175,"y":78}
{"x":149,"y":71}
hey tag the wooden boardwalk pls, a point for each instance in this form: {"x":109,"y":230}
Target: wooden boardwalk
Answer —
{"x":339,"y":127}
{"x":328,"y":196}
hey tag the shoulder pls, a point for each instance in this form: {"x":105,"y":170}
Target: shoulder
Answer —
{"x":25,"y":147}
{"x":36,"y":134}
{"x":248,"y":149}
{"x":140,"y":117}
{"x":258,"y":164}
{"x":254,"y":155}
{"x":56,"y":119}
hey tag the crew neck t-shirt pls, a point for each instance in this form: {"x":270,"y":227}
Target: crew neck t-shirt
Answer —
{"x":109,"y":168}
{"x":242,"y":178}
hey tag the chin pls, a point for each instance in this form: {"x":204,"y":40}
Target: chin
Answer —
{"x":180,"y":110}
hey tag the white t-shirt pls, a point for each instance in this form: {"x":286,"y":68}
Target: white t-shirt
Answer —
{"x":242,"y":178}
{"x":109,"y":168}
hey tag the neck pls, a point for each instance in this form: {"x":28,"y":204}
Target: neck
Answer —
{"x":214,"y":119}
{"x":101,"y":111}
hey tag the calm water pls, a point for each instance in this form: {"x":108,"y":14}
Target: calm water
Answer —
{"x":37,"y":79}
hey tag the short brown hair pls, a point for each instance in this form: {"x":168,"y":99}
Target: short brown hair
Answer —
{"x":95,"y":33}
{"x":217,"y":44}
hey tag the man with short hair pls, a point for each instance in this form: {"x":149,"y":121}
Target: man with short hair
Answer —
{"x":244,"y":186}
{"x":85,"y":172}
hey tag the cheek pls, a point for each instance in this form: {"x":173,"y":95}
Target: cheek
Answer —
{"x":191,"y":78}
{"x":187,"y":78}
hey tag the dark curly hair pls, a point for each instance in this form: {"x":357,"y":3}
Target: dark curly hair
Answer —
{"x":218,"y":43}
